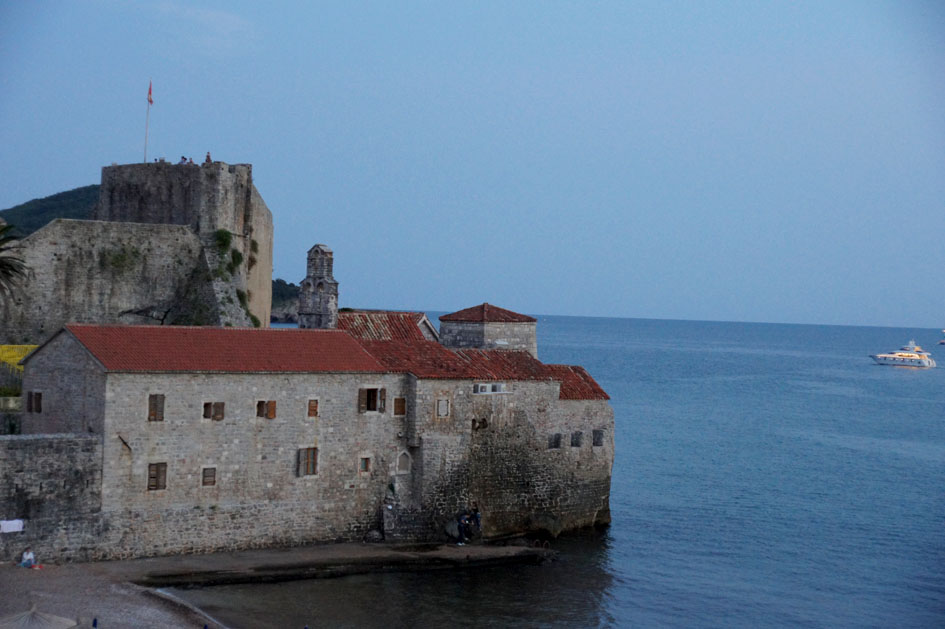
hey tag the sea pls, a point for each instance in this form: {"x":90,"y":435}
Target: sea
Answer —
{"x":766,"y":475}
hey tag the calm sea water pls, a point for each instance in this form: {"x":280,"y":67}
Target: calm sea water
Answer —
{"x":766,"y":475}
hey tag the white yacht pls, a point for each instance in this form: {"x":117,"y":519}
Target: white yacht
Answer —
{"x":909,"y":356}
{"x":942,"y":340}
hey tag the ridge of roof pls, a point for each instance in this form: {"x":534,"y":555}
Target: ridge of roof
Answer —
{"x":487,"y":313}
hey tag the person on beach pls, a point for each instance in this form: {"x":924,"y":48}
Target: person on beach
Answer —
{"x":28,"y":560}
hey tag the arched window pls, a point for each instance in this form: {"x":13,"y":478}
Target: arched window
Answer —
{"x":403,"y":463}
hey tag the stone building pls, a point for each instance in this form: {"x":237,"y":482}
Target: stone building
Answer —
{"x":151,"y":440}
{"x":169,"y":244}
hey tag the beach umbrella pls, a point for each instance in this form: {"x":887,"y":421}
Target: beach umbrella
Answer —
{"x":35,"y":619}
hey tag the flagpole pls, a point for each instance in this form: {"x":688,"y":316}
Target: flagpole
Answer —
{"x":147,"y":120}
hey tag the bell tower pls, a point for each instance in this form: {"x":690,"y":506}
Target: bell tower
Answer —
{"x":318,"y":295}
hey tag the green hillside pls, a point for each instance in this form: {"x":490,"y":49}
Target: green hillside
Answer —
{"x":30,"y":216}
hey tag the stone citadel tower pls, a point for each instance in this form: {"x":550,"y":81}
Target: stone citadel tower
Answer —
{"x":169,"y":244}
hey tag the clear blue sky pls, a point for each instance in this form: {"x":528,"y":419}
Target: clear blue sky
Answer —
{"x":745,"y":161}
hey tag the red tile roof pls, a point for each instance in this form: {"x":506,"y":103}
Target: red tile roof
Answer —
{"x":576,"y":383}
{"x":127,"y":348}
{"x":487,"y":313}
{"x":228,"y":350}
{"x":382,"y":325}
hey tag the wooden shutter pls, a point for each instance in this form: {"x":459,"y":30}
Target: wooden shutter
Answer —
{"x":400,"y":406}
{"x":217,"y":411}
{"x":271,"y":409}
{"x":381,"y":400}
{"x":362,"y":400}
{"x":313,"y":408}
{"x":155,"y":408}
{"x":299,"y":462}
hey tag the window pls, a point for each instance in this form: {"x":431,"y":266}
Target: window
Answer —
{"x":372,"y":400}
{"x":34,"y":402}
{"x":498,"y":387}
{"x":209,"y":477}
{"x":554,"y":441}
{"x":576,"y":439}
{"x":308,"y":462}
{"x":213,"y":410}
{"x":364,"y":465}
{"x":157,"y":476}
{"x":442,"y":408}
{"x":266,"y":409}
{"x":156,"y":407}
{"x":598,"y":438}
{"x":313,"y":408}
{"x":400,"y":406}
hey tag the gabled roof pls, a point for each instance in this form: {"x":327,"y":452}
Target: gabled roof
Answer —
{"x":576,"y":383}
{"x":156,"y":348}
{"x":487,"y":313}
{"x":387,"y":325}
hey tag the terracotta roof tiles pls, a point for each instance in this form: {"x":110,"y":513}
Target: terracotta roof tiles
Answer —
{"x":487,"y":313}
{"x":228,"y":350}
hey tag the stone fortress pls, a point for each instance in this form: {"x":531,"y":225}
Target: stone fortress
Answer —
{"x":144,"y":440}
{"x":169,"y":244}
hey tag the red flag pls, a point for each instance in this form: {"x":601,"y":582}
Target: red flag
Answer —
{"x":150,"y":100}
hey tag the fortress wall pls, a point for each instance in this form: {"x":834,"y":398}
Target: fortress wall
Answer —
{"x":53,"y":484}
{"x":506,"y":465}
{"x":93,"y":271}
{"x":207,"y":198}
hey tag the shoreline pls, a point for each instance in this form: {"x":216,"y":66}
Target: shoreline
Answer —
{"x":128,"y":592}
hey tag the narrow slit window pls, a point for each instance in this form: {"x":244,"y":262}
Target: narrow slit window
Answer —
{"x":313,"y":408}
{"x":156,"y":407}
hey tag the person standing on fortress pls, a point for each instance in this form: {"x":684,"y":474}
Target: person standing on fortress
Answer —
{"x":208,"y":160}
{"x":183,"y":160}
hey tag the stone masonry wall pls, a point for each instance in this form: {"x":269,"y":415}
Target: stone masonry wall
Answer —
{"x":505,"y":463}
{"x":72,"y":384}
{"x":53,"y":484}
{"x":207,"y":198}
{"x":90,"y":271}
{"x":511,"y":335}
{"x":258,"y":500}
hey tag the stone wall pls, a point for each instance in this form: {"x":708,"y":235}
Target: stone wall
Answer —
{"x":154,"y":258}
{"x":72,"y":386}
{"x":503,"y":335}
{"x":53,"y":484}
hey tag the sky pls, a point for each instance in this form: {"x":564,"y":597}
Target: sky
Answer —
{"x":732,"y":161}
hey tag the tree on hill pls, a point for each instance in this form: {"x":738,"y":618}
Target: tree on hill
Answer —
{"x":30,"y":216}
{"x":12,"y":268}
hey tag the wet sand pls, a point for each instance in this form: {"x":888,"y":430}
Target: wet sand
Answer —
{"x":125,"y":594}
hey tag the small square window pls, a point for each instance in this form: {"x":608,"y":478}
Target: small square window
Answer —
{"x":598,"y":438}
{"x":209,"y":477}
{"x":554,"y":441}
{"x":213,"y":410}
{"x":266,"y":409}
{"x":364,"y":465}
{"x":313,"y":408}
{"x":400,"y":406}
{"x":157,"y":476}
{"x":155,"y":407}
{"x":371,"y":400}
{"x":577,"y":438}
